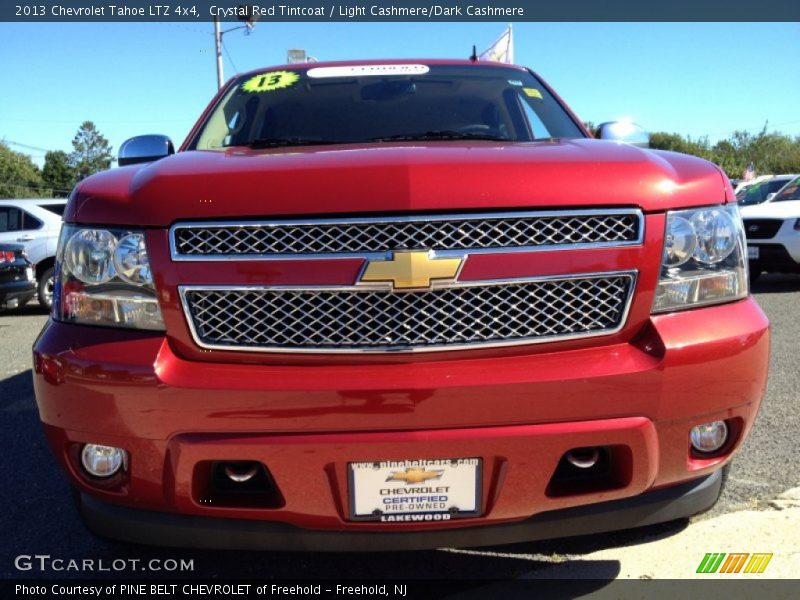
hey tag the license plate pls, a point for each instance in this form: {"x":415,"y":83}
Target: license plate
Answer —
{"x":752,"y":252}
{"x":29,"y":273}
{"x":408,"y":491}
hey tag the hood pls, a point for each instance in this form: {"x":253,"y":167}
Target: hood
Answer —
{"x":392,"y":177}
{"x":772,"y":210}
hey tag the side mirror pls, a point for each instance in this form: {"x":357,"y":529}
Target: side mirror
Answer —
{"x":624,"y":131}
{"x":771,"y":195}
{"x":144,"y":148}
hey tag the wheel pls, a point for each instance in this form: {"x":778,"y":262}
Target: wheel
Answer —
{"x":755,"y":272}
{"x":45,"y":288}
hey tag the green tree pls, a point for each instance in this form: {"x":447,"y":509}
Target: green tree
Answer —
{"x":58,"y":174}
{"x":19,"y":176}
{"x":92,"y":152}
{"x":677,"y":143}
{"x":770,"y":153}
{"x":728,"y":156}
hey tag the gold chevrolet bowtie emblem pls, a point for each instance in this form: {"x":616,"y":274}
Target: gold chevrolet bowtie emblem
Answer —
{"x":411,"y":269}
{"x":414,"y":475}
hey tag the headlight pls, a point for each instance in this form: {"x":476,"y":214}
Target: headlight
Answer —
{"x":88,"y":255}
{"x":103,"y":277}
{"x":131,"y":262}
{"x":703,"y":260}
{"x":680,"y":241}
{"x":716,"y":235}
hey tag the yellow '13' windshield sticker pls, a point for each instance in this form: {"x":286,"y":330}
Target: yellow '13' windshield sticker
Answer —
{"x":268,"y":82}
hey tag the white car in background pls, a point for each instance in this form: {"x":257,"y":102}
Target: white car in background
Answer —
{"x":742,"y":184}
{"x":36,"y":224}
{"x":773,"y":232}
{"x":762,"y":190}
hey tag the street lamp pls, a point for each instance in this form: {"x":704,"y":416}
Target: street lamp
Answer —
{"x":245,"y":14}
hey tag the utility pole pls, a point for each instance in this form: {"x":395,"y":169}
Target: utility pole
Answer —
{"x":246,"y":16}
{"x":218,"y":49}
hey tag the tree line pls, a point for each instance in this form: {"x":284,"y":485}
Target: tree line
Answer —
{"x":770,"y":153}
{"x":20,"y":177}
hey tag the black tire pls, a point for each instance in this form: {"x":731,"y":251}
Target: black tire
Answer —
{"x":755,"y":272}
{"x":44,"y":288}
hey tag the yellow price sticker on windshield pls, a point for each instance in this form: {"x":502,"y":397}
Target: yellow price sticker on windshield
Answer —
{"x":532,"y":93}
{"x":268,"y":82}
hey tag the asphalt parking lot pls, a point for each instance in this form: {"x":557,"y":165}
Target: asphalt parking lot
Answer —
{"x":38,"y":517}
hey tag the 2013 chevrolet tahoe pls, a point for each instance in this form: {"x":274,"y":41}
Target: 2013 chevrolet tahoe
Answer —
{"x":397,"y":305}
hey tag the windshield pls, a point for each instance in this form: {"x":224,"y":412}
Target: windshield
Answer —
{"x":381,"y":103}
{"x":758,"y":192}
{"x":790,"y":192}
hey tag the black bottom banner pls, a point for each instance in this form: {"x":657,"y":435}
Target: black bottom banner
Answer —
{"x":466,"y":589}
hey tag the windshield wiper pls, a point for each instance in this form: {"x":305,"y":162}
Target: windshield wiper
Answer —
{"x":440,"y":135}
{"x":428,"y":135}
{"x":289,"y":141}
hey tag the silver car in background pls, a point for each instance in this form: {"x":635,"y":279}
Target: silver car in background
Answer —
{"x":36,"y":224}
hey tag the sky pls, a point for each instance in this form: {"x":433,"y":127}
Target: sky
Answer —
{"x":695,"y":79}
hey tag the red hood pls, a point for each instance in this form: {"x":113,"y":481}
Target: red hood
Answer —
{"x":415,"y":177}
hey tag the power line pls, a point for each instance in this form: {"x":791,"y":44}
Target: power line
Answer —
{"x":787,"y":123}
{"x":5,"y":141}
{"x":732,"y":131}
{"x":26,"y":184}
{"x":37,"y":189}
{"x":105,"y":121}
{"x":177,"y":26}
{"x":228,"y":54}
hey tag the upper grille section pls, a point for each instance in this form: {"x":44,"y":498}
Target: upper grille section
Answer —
{"x":378,"y":235}
{"x":362,"y":320}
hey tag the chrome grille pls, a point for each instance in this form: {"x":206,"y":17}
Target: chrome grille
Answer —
{"x":492,"y":232}
{"x":355,"y":320}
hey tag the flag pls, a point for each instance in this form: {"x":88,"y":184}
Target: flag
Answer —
{"x":749,"y":173}
{"x":502,"y":50}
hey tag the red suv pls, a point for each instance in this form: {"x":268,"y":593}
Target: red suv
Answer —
{"x":396,"y":305}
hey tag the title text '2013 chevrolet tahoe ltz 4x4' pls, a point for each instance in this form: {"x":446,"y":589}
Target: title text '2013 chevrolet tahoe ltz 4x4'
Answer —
{"x":397,"y":305}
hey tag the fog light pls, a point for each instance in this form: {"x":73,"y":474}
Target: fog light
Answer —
{"x":709,"y":437}
{"x":102,"y":461}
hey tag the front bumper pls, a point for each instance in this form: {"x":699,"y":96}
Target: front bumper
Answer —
{"x":16,"y":290}
{"x":161,"y":529}
{"x":774,"y":258}
{"x":781,"y":252}
{"x":519,"y":413}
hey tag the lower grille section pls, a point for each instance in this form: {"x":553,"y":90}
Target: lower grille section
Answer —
{"x":355,"y":319}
